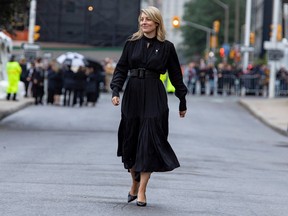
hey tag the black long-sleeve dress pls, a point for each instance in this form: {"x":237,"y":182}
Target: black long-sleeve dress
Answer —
{"x":143,"y":130}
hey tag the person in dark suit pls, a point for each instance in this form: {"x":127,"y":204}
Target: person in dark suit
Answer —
{"x":79,"y":85}
{"x":68,"y":84}
{"x":24,"y":75}
{"x":55,"y":83}
{"x":92,"y":87}
{"x":38,"y":77}
{"x":143,"y":130}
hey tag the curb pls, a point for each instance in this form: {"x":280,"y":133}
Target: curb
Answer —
{"x":10,"y":111}
{"x":263,"y":120}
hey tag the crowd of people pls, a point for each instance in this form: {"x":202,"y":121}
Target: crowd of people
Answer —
{"x":60,"y":83}
{"x":66,"y":87}
{"x":231,"y":80}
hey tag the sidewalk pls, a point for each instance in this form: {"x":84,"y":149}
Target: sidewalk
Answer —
{"x":272,"y":112}
{"x":9,"y":107}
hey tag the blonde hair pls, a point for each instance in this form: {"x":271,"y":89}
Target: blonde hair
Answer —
{"x":155,"y":15}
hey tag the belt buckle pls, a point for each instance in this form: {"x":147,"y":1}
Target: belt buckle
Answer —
{"x":141,"y":73}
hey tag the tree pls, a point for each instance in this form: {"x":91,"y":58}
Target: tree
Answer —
{"x":11,"y":14}
{"x":205,"y":13}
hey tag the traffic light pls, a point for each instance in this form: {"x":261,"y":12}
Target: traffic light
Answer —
{"x":222,"y":52}
{"x":36,"y":34}
{"x":252,"y":38}
{"x":279,"y":35}
{"x":176,"y":22}
{"x":232,"y":54}
{"x":216,"y":26}
{"x":213,"y":41}
{"x":279,"y":32}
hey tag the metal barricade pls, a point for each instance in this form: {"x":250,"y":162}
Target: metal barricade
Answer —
{"x":242,"y":85}
{"x":281,"y":86}
{"x":228,"y":84}
{"x":251,"y":84}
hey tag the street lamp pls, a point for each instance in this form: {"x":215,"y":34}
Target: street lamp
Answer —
{"x":226,"y":8}
{"x":176,"y":22}
{"x":90,"y":8}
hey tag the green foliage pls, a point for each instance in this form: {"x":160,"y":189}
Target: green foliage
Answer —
{"x":204,"y":13}
{"x":261,"y":61}
{"x":10,"y":11}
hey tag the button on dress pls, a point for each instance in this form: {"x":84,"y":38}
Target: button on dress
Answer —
{"x":143,"y":130}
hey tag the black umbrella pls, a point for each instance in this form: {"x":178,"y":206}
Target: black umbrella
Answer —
{"x":96,"y":65}
{"x":98,"y":69}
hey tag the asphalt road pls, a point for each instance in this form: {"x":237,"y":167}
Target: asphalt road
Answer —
{"x":62,"y":161}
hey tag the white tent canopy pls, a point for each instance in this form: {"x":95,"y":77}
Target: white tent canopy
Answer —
{"x":5,"y":51}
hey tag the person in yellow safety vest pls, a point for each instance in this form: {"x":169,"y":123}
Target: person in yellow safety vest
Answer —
{"x":14,"y":70}
{"x":167,"y":83}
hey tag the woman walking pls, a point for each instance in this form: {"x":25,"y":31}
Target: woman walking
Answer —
{"x":143,"y":130}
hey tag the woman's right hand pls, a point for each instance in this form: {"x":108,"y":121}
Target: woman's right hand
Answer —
{"x":115,"y":101}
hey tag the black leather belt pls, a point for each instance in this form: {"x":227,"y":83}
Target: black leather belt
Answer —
{"x":142,"y":73}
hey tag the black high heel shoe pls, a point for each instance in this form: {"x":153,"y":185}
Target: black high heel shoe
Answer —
{"x":131,"y":197}
{"x":141,"y":204}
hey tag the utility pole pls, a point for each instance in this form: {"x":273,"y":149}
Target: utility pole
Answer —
{"x":32,"y":18}
{"x":273,"y":40}
{"x":30,"y":48}
{"x":285,"y":15}
{"x":237,"y":15}
{"x":247,"y":34}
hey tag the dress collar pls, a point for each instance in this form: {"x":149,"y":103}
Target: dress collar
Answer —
{"x":149,"y":39}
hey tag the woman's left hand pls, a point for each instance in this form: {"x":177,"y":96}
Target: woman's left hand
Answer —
{"x":116,"y":101}
{"x":182,"y":113}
